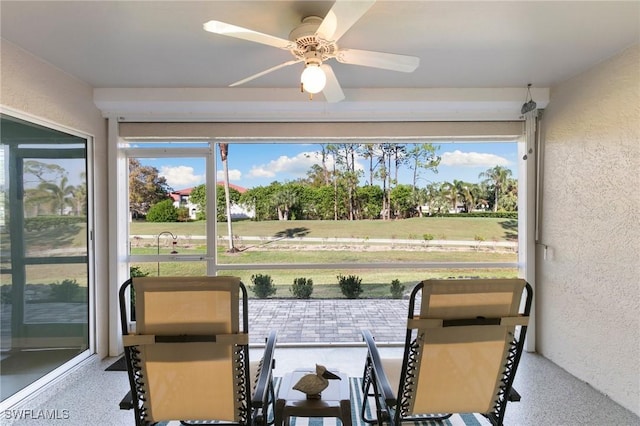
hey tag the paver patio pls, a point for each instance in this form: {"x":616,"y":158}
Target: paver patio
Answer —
{"x":318,"y":321}
{"x":327,"y":321}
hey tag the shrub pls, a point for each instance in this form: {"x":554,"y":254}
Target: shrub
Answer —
{"x":164,"y":211}
{"x":499,"y":215}
{"x":351,"y":286}
{"x":41,"y":223}
{"x":66,"y":291}
{"x":262,"y":286}
{"x":5,"y":294}
{"x":183,"y":214}
{"x":135,"y":271}
{"x":302,"y":288}
{"x":427,"y":237}
{"x":397,"y":289}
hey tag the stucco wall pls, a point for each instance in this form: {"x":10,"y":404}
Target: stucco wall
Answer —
{"x":32,"y":86}
{"x":588,"y":287}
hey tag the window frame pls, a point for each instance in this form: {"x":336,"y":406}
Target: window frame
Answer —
{"x":526,"y":169}
{"x":91,"y":267}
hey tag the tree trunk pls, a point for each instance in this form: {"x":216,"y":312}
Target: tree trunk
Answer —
{"x":371,"y":169}
{"x":324,"y":165}
{"x":389,"y":188}
{"x":335,"y":192}
{"x":224,"y":153}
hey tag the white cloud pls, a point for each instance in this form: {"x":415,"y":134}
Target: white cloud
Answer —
{"x":458,"y":158}
{"x":234,"y":174}
{"x":297,"y":166}
{"x":181,"y":177}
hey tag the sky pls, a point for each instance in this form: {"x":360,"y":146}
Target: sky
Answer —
{"x":252,"y":165}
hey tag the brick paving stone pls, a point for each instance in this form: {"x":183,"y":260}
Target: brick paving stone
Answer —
{"x":296,"y":321}
{"x":327,"y":321}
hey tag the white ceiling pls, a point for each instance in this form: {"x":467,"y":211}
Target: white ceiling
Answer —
{"x":161,"y":44}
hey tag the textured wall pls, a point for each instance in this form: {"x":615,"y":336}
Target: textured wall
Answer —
{"x":32,"y":86}
{"x":588,"y":288}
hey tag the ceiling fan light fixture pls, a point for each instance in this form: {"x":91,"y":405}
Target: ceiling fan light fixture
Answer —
{"x":313,"y":79}
{"x":314,"y":42}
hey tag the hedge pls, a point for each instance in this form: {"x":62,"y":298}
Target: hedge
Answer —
{"x":499,"y":215}
{"x":40,"y":223}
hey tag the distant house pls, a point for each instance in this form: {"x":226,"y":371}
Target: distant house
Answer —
{"x":181,"y":199}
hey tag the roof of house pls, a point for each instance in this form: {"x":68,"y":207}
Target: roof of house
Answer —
{"x":175,"y":195}
{"x":238,"y":188}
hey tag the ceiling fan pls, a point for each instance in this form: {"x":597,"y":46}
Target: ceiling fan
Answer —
{"x":314,"y":42}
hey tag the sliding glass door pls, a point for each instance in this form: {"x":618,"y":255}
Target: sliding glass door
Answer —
{"x":45,"y":240}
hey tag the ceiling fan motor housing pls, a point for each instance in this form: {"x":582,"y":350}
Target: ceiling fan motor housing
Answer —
{"x":309,"y":46}
{"x":314,"y":41}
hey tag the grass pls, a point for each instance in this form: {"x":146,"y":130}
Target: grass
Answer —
{"x":376,"y":282}
{"x":445,"y":228}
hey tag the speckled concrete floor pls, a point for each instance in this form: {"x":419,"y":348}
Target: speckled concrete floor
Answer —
{"x":331,"y":332}
{"x":550,"y":396}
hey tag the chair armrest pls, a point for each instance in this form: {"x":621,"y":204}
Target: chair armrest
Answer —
{"x":260,"y":393}
{"x":376,"y":363}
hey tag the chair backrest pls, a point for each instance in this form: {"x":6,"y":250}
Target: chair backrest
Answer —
{"x":461,"y":345}
{"x":190,"y":348}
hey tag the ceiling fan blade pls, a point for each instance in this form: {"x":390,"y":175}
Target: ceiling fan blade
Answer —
{"x":260,"y":74}
{"x":332,"y":90}
{"x":341,"y":17}
{"x":222,"y":28}
{"x":388,"y":61}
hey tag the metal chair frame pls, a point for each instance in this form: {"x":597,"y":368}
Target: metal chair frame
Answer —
{"x":389,"y":408}
{"x":256,"y":407}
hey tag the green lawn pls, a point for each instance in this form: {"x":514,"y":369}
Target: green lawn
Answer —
{"x":375,"y":281}
{"x":445,"y":228}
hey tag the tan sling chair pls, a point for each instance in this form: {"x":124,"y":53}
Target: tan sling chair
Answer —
{"x":189,"y":358}
{"x":461,"y":353}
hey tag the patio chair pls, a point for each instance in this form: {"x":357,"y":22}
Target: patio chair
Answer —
{"x":189,"y":358}
{"x":463,"y":344}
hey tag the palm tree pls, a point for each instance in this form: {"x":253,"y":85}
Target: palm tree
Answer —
{"x":36,"y":201}
{"x":284,"y":200}
{"x":80,"y":196}
{"x":450,"y":191}
{"x":61,"y":195}
{"x":437,"y":197}
{"x":419,"y":197}
{"x":467,"y":193}
{"x":509,"y":199}
{"x":497,"y":177}
{"x":470,"y":193}
{"x":224,"y":154}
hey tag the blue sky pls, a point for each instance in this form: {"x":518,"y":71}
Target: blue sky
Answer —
{"x":252,"y":165}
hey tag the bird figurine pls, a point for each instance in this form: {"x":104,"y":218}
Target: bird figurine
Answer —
{"x":313,"y":384}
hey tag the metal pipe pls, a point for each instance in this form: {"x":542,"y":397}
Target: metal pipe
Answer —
{"x":173,"y":251}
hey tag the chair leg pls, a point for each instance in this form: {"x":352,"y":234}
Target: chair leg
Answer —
{"x":366,"y":385}
{"x":369,"y":383}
